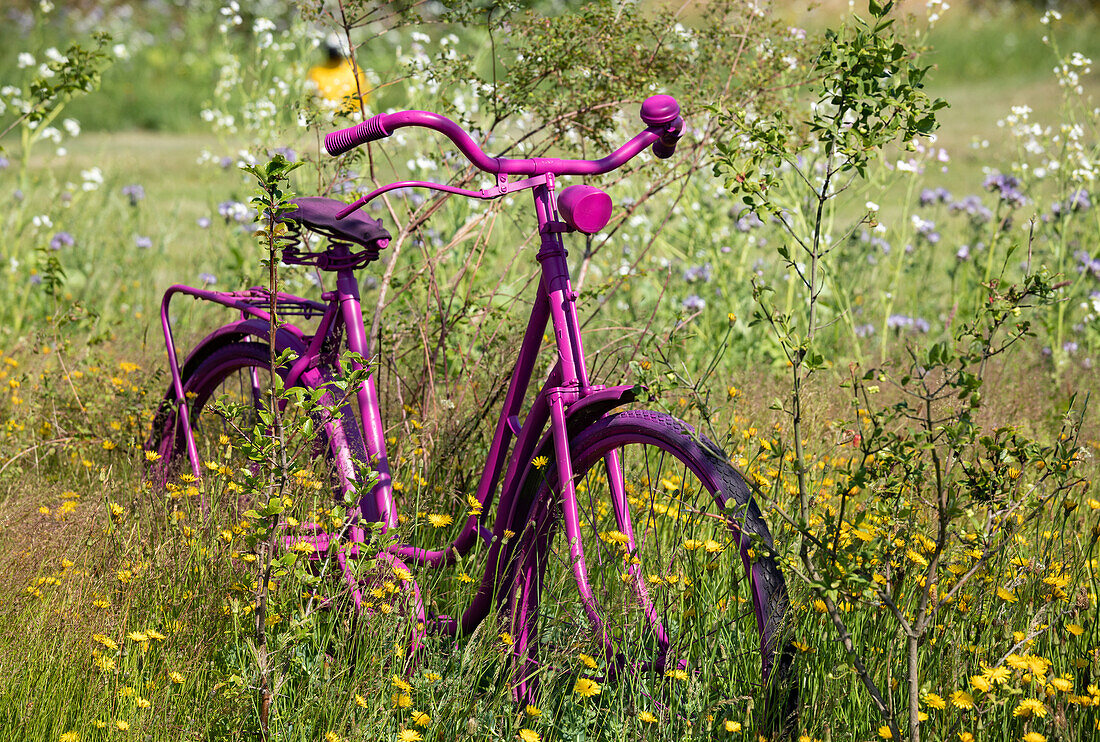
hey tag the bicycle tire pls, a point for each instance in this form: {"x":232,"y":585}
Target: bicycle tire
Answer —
{"x":732,"y":653}
{"x":223,"y":369}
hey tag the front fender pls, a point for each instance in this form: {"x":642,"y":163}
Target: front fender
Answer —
{"x":578,"y":416}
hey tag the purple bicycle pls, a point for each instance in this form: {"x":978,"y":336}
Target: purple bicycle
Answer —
{"x":625,"y":548}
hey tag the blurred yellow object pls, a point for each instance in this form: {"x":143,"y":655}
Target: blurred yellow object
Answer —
{"x":335,"y":81}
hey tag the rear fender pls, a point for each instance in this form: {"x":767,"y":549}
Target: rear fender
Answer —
{"x":286,"y":337}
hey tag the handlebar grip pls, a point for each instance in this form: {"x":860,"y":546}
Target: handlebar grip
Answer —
{"x":339,"y":142}
{"x":665,"y":147}
{"x":663,"y":151}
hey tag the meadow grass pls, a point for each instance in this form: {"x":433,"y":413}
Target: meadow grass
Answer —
{"x":127,"y":611}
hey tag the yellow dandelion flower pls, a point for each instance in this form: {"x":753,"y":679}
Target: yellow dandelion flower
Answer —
{"x":152,"y":456}
{"x":402,"y":700}
{"x":540,"y":462}
{"x":647,"y":717}
{"x":434,"y":677}
{"x":154,"y":634}
{"x":733,"y":727}
{"x":998,"y":675}
{"x":533,"y":711}
{"x":360,"y":701}
{"x":1075,"y":629}
{"x":1064,"y":684}
{"x":960,"y":699}
{"x":506,"y":639}
{"x":463,"y":577}
{"x":142,"y":703}
{"x":677,"y":674}
{"x":105,"y":641}
{"x":1030,"y":707}
{"x":1016,"y":662}
{"x":586,"y":688}
{"x":69,"y":737}
{"x":175,"y":677}
{"x":409,"y":735}
{"x":439,"y":520}
{"x":475,"y":506}
{"x":1034,"y":737}
{"x":966,"y":737}
{"x":398,"y":682}
{"x":421,"y":719}
{"x":885,"y":733}
{"x":528,"y":735}
{"x":137,"y":636}
{"x":122,"y":725}
{"x":587,"y":660}
{"x":1006,"y":595}
{"x":617,"y":537}
{"x":915,"y":557}
{"x":934,"y":700}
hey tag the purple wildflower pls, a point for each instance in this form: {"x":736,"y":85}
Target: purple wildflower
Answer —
{"x":1077,"y":201}
{"x":930,"y":196}
{"x":1087,"y":263}
{"x":865,"y":330}
{"x":208,"y":279}
{"x":60,"y":240}
{"x":926,"y":229}
{"x":289,"y":154}
{"x":135,"y":193}
{"x":235,"y":211}
{"x":203,"y":222}
{"x":693,"y":303}
{"x":1007,"y":188}
{"x":701,"y":273}
{"x":748,"y":222}
{"x":5,"y":163}
{"x":901,"y":321}
{"x":963,"y":253}
{"x":143,"y":242}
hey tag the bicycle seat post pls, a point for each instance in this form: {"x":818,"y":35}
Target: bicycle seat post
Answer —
{"x":378,"y":504}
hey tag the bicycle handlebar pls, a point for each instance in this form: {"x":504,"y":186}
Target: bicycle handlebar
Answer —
{"x":660,"y":113}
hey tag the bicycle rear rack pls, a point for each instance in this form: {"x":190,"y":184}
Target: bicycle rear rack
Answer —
{"x":253,"y":304}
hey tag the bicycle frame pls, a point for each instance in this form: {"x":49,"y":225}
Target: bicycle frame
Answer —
{"x":567,"y":394}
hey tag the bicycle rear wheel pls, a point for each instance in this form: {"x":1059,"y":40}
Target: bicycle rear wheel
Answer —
{"x":692,"y":609}
{"x":237,"y":372}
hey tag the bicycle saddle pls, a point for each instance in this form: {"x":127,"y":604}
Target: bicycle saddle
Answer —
{"x":319,"y":215}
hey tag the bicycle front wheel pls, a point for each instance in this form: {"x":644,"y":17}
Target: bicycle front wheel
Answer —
{"x":685,"y":604}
